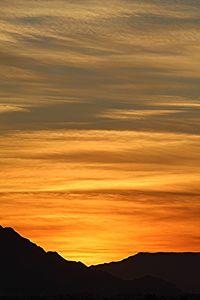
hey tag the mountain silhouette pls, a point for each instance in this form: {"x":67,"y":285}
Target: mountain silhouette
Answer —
{"x":28,"y":270}
{"x":182,"y":269}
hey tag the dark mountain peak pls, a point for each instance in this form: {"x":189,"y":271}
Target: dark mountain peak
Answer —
{"x":12,"y":242}
{"x":15,"y":244}
{"x":10,"y":233}
{"x":28,"y":269}
{"x":8,"y":230}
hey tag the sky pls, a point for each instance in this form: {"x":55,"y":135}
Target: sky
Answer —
{"x":99,"y":125}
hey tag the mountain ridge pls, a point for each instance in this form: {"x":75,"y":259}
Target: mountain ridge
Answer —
{"x":181,"y":268}
{"x":144,"y":252}
{"x":27,"y":269}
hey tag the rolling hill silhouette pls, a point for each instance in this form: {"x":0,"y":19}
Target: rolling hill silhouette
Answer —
{"x":183,"y":269}
{"x":27,"y":269}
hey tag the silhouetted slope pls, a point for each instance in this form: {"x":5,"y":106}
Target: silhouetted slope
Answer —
{"x":27,"y":269}
{"x":183,"y":269}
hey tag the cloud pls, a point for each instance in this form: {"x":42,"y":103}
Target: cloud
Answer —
{"x":136,"y":114}
{"x":174,"y":116}
{"x":11,"y":108}
{"x":118,"y":51}
{"x":78,"y":159}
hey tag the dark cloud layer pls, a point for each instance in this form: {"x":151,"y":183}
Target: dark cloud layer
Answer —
{"x":100,"y":115}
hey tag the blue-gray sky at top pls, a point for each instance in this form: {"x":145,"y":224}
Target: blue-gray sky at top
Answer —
{"x":79,"y":64}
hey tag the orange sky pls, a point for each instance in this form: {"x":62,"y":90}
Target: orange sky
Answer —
{"x":99,"y":125}
{"x":101,"y":195}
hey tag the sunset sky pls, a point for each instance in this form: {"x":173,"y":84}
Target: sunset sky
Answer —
{"x":100,"y":125}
